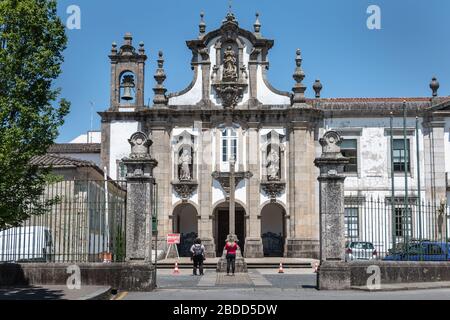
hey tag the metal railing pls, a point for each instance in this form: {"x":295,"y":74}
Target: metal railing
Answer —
{"x":87,"y":224}
{"x":378,"y":228}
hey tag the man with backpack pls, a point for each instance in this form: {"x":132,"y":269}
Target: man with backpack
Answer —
{"x":198,"y":255}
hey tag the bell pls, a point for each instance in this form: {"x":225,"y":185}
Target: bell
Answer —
{"x":127,"y":85}
{"x":127,"y":94}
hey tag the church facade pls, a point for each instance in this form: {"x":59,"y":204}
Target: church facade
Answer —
{"x":230,"y":118}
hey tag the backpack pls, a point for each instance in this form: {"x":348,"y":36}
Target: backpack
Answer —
{"x":198,"y":250}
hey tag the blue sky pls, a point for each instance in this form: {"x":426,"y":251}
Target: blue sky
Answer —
{"x":351,"y":61}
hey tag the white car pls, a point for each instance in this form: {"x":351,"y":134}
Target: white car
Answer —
{"x":358,"y":250}
{"x":26,"y":244}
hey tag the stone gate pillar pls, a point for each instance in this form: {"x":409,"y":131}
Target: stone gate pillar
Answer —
{"x":334,"y":273}
{"x":140,"y":183}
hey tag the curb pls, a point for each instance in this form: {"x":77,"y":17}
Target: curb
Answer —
{"x":405,"y":287}
{"x":101,"y":294}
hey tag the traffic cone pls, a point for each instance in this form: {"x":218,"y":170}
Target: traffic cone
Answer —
{"x":281,"y":268}
{"x":176,"y":270}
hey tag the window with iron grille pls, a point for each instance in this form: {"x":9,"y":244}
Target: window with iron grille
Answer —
{"x":400,"y":154}
{"x":349,"y":149}
{"x":402,"y":222}
{"x":351,"y":220}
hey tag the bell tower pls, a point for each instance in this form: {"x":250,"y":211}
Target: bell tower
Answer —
{"x":127,"y":75}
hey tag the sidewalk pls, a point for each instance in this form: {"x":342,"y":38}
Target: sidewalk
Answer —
{"x":55,"y":293}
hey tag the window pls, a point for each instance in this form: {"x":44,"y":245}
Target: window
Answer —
{"x":349,"y":149}
{"x":351,"y":220}
{"x":229,"y":145}
{"x":399,"y":156}
{"x":402,"y":222}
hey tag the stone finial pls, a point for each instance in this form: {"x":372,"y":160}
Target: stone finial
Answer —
{"x":317,"y":88}
{"x":434,"y":86}
{"x":141,"y":48}
{"x":257,"y":25}
{"x":128,"y":39}
{"x":114,"y":48}
{"x":331,"y":142}
{"x":140,"y":145}
{"x":202,"y":25}
{"x":332,"y":161}
{"x":299,"y":88}
{"x":160,"y":76}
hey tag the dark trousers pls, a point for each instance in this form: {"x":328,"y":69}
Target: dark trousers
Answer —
{"x":198,"y":263}
{"x":231,"y":262}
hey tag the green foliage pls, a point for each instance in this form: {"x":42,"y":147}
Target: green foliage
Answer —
{"x":32,"y":39}
{"x":119,"y":246}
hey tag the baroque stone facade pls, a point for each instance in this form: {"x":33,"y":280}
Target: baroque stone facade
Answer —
{"x":230,"y":110}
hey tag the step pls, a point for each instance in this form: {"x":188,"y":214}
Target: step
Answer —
{"x":252,"y":263}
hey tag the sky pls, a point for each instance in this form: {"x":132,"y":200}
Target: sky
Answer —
{"x":398,"y":60}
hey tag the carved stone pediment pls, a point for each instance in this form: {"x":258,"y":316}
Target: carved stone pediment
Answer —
{"x":224,"y":179}
{"x":185,"y":189}
{"x":273,"y":189}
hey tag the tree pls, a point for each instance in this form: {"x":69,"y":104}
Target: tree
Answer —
{"x":32,"y":39}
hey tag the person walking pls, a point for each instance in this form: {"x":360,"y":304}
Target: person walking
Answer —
{"x":198,"y":256}
{"x":231,"y":247}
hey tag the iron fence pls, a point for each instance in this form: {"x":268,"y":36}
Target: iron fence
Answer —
{"x":378,"y":228}
{"x":86,"y":224}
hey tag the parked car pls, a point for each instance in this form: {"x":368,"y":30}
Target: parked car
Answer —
{"x":26,"y":244}
{"x":420,"y":251}
{"x":358,"y":250}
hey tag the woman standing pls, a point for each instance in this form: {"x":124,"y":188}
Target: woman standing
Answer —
{"x":231,"y":248}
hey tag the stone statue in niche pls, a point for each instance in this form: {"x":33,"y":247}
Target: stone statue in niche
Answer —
{"x":185,"y":161}
{"x":229,"y":65}
{"x":273,"y":165}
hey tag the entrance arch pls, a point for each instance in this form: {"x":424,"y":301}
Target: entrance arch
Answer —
{"x":221,"y":224}
{"x":185,"y":222}
{"x":273,"y":230}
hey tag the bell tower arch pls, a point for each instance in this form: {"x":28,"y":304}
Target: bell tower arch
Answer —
{"x":127,"y":75}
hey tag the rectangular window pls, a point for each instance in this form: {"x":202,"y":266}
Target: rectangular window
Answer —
{"x":224,"y":150}
{"x":402,"y":222}
{"x":234,"y":148}
{"x":349,"y":149}
{"x":400,"y":154}
{"x":351,"y":220}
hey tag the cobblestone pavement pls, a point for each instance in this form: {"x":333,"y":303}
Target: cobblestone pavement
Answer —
{"x":255,"y":278}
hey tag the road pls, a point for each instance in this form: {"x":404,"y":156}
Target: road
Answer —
{"x":263,"y":284}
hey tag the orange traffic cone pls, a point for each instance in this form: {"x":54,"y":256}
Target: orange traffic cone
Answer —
{"x":176,"y":270}
{"x":281,"y":268}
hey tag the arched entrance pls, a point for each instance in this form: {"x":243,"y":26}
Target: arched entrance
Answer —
{"x":273,"y":230}
{"x":221,"y":224}
{"x":185,"y":223}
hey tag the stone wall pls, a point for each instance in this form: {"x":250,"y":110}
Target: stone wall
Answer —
{"x":119,"y":276}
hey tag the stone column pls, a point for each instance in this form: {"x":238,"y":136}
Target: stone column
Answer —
{"x":205,"y":193}
{"x":253,"y":241}
{"x":161,"y":150}
{"x":303,"y":240}
{"x":334,"y":272}
{"x":140,"y":182}
{"x":434,"y":140}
